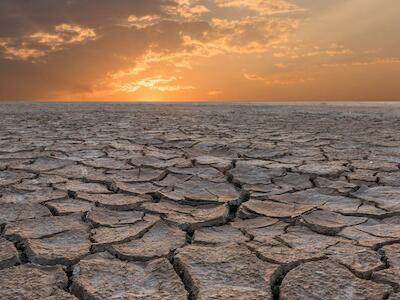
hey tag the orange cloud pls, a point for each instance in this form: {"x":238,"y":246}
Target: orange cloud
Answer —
{"x":198,"y":49}
{"x":262,"y":7}
{"x":39,"y":44}
{"x":142,"y":22}
{"x":186,"y":10}
{"x":379,"y":61}
{"x":278,"y":81}
{"x":157,"y":83}
{"x":304,"y":51}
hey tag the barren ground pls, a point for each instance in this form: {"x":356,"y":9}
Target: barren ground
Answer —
{"x":101,"y":201}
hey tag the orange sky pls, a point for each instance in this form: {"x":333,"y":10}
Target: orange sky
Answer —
{"x":193,"y":50}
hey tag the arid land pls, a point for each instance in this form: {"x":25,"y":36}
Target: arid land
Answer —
{"x":193,"y":201}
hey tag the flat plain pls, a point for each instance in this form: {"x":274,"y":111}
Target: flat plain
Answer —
{"x":195,"y":201}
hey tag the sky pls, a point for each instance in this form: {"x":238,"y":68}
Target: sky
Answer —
{"x":199,"y":50}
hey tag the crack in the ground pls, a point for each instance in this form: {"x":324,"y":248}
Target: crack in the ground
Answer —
{"x":184,"y":275}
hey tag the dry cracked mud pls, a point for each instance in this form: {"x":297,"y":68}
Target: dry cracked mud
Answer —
{"x":190,"y":201}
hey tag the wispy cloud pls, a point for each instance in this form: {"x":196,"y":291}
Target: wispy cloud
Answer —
{"x":142,"y":22}
{"x":287,"y":80}
{"x":39,"y":44}
{"x":302,"y":50}
{"x":196,"y":49}
{"x":378,"y":61}
{"x":263,"y":7}
{"x":156,"y":83}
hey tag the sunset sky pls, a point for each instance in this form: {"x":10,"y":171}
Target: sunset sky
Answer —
{"x":177,"y":50}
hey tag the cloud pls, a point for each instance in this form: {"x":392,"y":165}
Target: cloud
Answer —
{"x":253,"y":77}
{"x":186,"y":9}
{"x":281,"y":66}
{"x":39,"y":44}
{"x":22,"y":52}
{"x":214,"y":93}
{"x":142,"y":22}
{"x":378,"y":61}
{"x":302,"y":50}
{"x":124,"y":45}
{"x":247,"y":35}
{"x":262,"y":7}
{"x":286,"y":80}
{"x":157,"y":83}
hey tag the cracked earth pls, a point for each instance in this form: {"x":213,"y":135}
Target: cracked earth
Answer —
{"x":101,"y":201}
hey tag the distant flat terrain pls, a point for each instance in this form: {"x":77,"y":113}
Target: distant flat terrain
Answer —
{"x":199,"y":201}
